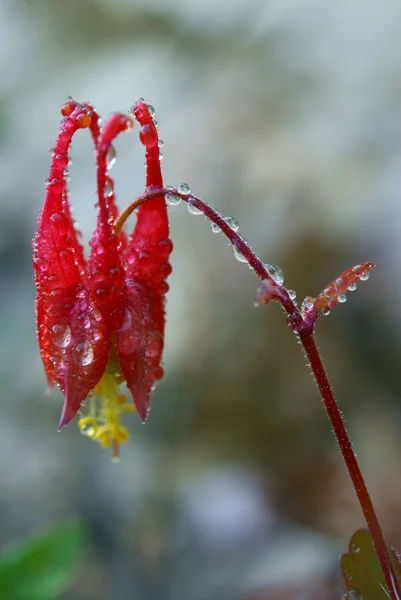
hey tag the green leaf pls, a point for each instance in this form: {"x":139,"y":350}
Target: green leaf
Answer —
{"x":361,"y":569}
{"x":42,"y":567}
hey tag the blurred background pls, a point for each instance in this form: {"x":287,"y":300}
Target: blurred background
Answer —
{"x":285,"y":114}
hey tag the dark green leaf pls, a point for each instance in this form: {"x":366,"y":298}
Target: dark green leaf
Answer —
{"x":361,"y":569}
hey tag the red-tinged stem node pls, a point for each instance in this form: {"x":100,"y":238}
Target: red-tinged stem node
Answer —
{"x":302,"y":323}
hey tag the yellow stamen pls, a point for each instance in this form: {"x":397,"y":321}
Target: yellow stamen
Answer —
{"x":106,"y":405}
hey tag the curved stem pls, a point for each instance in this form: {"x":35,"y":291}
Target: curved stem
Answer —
{"x":304,"y":331}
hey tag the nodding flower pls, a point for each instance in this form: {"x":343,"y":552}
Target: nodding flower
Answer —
{"x":101,"y":321}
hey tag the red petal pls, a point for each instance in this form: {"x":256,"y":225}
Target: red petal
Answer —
{"x":84,"y":357}
{"x":140,"y":341}
{"x":149,"y":246}
{"x":58,"y":256}
{"x":105,"y":269}
{"x":108,"y":189}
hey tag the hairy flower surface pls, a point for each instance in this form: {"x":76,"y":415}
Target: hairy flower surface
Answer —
{"x":101,"y":321}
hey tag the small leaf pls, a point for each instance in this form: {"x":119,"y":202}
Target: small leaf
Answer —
{"x":361,"y":568}
{"x":41,"y":568}
{"x":336,"y":291}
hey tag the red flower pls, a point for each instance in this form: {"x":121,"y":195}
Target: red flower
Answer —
{"x":101,"y":321}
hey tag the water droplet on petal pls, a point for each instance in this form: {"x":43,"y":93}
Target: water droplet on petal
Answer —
{"x":108,"y":189}
{"x":275,"y":273}
{"x":184,"y":188}
{"x":111,"y":157}
{"x":292,"y":294}
{"x":365,"y":276}
{"x":161,"y":143}
{"x":342,"y":298}
{"x":154,"y":344}
{"x":97,"y":335}
{"x":84,"y":353}
{"x":151,"y":110}
{"x":60,"y":220}
{"x":238,"y":255}
{"x":148,"y":136}
{"x":232,"y":223}
{"x":352,"y":287}
{"x":215,"y":228}
{"x":61,"y":335}
{"x":67,"y":258}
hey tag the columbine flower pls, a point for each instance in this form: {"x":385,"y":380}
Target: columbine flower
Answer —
{"x":101,"y":321}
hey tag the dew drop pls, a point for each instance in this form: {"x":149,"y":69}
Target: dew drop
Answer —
{"x":172,"y":199}
{"x":148,"y":136}
{"x":161,"y":143}
{"x":166,"y":269}
{"x":184,"y":188}
{"x":111,"y":157}
{"x":326,"y":311}
{"x":342,"y":298}
{"x":232,"y":223}
{"x":238,"y":255}
{"x":158,"y":372}
{"x":275,"y":273}
{"x":96,"y":315}
{"x":352,"y":287}
{"x":97,"y":335}
{"x":154,"y":344}
{"x":84,"y":353}
{"x":292,"y":294}
{"x":365,"y":276}
{"x":61,"y":335}
{"x":67,"y":258}
{"x":88,"y":430}
{"x":60,"y":220}
{"x":308,"y":303}
{"x":354,"y":595}
{"x":108,"y":189}
{"x":62,"y":160}
{"x":192,"y":209}
{"x":151,"y":110}
{"x":215,"y":228}
{"x":338,"y":284}
{"x":166,"y":245}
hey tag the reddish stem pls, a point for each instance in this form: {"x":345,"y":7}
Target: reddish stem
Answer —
{"x":337,"y":423}
{"x":304,"y":331}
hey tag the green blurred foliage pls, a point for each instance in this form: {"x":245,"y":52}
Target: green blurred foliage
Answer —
{"x":41,"y":568}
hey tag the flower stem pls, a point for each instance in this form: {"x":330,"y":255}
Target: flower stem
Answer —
{"x":304,"y":330}
{"x":337,"y":423}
